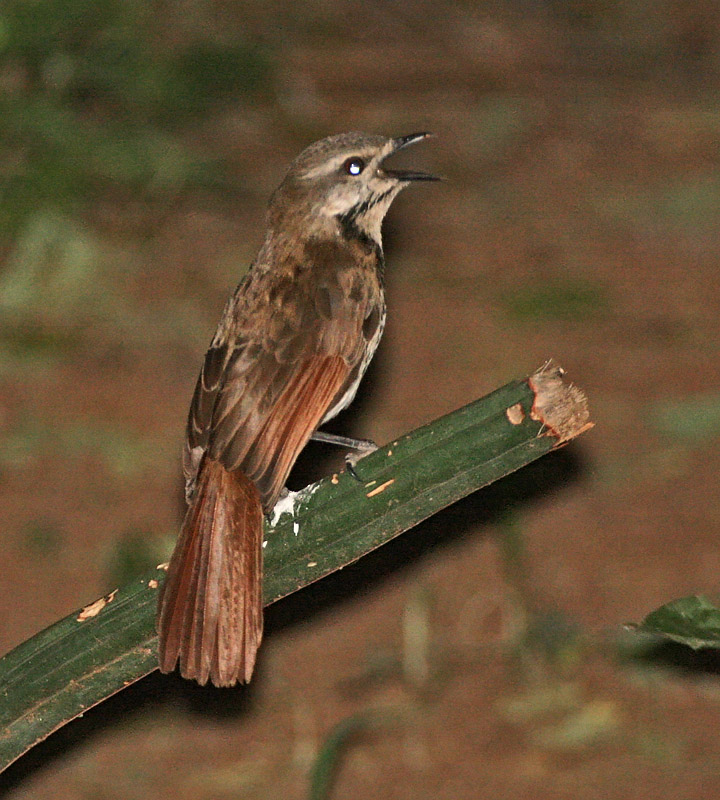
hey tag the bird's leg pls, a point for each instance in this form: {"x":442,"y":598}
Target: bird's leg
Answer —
{"x":362,"y":448}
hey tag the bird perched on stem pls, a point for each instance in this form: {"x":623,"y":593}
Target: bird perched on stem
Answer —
{"x":291,"y":348}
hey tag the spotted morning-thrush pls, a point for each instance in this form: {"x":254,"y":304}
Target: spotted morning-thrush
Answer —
{"x":291,"y":348}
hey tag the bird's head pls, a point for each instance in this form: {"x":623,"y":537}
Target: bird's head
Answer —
{"x":344,"y":181}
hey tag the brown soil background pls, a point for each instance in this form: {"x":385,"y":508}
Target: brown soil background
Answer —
{"x":579,"y":221}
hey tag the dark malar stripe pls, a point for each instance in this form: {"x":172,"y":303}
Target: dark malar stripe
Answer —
{"x":351,"y":230}
{"x":366,"y":205}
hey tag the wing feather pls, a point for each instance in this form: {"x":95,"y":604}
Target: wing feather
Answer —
{"x":296,"y":413}
{"x":260,"y":398}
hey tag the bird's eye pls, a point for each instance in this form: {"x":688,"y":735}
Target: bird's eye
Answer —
{"x":354,"y":166}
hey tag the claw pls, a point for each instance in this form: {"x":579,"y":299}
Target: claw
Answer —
{"x":350,"y":469}
{"x":351,"y":459}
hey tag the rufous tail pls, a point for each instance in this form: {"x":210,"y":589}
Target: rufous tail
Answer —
{"x":210,"y":610}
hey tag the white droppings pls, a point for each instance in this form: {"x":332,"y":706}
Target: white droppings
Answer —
{"x":285,"y":505}
{"x":288,"y":502}
{"x":265,"y":544}
{"x":309,"y":491}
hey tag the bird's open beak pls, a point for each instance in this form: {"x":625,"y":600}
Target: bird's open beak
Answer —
{"x":405,"y":174}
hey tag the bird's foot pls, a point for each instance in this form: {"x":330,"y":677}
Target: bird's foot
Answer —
{"x":362,"y":448}
{"x":351,"y":459}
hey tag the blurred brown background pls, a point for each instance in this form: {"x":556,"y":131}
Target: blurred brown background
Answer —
{"x":479,"y":656}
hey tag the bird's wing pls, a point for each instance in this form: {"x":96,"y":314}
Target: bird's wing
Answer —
{"x":266,"y":386}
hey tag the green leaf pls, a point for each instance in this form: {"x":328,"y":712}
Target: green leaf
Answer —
{"x":693,"y":621}
{"x":339,"y":740}
{"x":88,"y":656}
{"x":693,"y":418}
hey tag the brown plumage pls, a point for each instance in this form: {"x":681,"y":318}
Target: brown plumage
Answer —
{"x":290,"y":350}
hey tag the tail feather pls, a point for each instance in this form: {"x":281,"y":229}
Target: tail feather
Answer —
{"x":210,"y":612}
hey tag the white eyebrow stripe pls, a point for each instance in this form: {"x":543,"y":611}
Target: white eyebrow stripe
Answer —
{"x":326,"y":167}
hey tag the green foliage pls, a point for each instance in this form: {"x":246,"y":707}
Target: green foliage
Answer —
{"x":93,"y":98}
{"x":84,"y":658}
{"x":694,"y":418}
{"x":687,"y":206}
{"x":134,"y":554}
{"x":123,"y":453}
{"x":53,"y":267}
{"x":693,"y":621}
{"x":66,"y":292}
{"x":565,"y":301}
{"x":338,"y":741}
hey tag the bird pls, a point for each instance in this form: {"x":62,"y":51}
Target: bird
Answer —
{"x":290,"y":350}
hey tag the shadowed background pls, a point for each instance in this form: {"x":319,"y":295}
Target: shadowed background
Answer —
{"x":139,"y":143}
